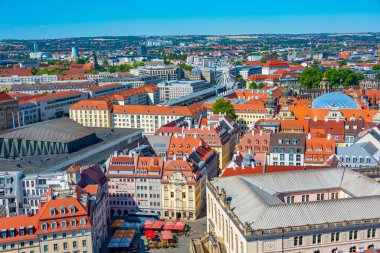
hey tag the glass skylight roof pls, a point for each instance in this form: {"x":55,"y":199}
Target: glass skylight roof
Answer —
{"x":334,"y":98}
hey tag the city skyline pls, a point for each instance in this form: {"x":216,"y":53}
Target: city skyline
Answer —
{"x":78,"y":19}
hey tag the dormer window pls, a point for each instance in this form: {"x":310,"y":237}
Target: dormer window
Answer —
{"x":30,"y":230}
{"x":62,"y":210}
{"x":22,"y":231}
{"x":72,"y":209}
{"x":54,"y":225}
{"x":52,"y":211}
{"x":82,"y":221}
{"x":64,"y":224}
{"x":12,"y":232}
{"x":4,"y":233}
{"x":73,"y":223}
{"x":44,"y":226}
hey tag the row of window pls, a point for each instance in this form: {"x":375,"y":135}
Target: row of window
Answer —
{"x":54,"y":225}
{"x":334,"y":237}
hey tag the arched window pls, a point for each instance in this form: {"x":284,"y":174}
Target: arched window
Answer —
{"x":44,"y":226}
{"x":54,"y":225}
{"x":63,"y":224}
{"x":72,"y":209}
{"x":82,"y":221}
{"x":52,"y":211}
{"x":352,"y":249}
{"x":73,"y":223}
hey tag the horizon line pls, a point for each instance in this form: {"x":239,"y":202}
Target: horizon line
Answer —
{"x":177,"y":35}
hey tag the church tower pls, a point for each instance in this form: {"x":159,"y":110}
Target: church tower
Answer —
{"x":324,"y":85}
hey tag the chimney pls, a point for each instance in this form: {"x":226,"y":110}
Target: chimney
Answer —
{"x":309,"y":136}
{"x":329,"y":136}
{"x":315,"y":118}
{"x":242,"y":166}
{"x":238,"y":152}
{"x":261,"y":132}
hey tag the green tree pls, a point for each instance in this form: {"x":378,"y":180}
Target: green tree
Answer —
{"x":263,"y":60}
{"x":376,"y":67}
{"x":105,"y":62}
{"x":81,"y":61}
{"x":342,"y":63}
{"x":185,"y":67}
{"x":377,"y":77}
{"x":261,"y":85}
{"x":311,"y":77}
{"x":33,"y":71}
{"x":224,"y":106}
{"x":252,"y":85}
{"x":346,"y":77}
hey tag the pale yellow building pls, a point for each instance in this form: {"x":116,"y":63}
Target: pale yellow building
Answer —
{"x":92,"y":113}
{"x":182,"y":192}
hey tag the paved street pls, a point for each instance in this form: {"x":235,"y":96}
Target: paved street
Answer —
{"x":197,"y":229}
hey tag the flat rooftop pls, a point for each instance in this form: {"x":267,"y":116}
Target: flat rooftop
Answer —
{"x":110,"y":140}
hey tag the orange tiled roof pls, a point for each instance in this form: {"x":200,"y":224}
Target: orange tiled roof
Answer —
{"x":56,"y":204}
{"x":92,"y":189}
{"x":160,"y":110}
{"x":73,"y":168}
{"x":17,"y":223}
{"x":91,"y":105}
{"x":275,"y":63}
{"x":50,"y":96}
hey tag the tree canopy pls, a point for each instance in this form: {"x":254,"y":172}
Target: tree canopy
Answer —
{"x":224,"y":106}
{"x":254,"y":85}
{"x":348,"y":76}
{"x":311,"y":77}
{"x":376,"y":67}
{"x":124,"y":67}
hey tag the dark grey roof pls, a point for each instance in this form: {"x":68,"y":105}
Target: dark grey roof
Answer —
{"x":256,"y":199}
{"x":62,"y":130}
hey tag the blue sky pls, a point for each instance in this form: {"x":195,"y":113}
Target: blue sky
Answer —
{"x":33,"y":19}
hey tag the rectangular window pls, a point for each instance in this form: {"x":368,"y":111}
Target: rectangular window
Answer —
{"x":371,"y":233}
{"x":353,"y":235}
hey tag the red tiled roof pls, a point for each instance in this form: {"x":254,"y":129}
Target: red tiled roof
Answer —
{"x":5,"y":96}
